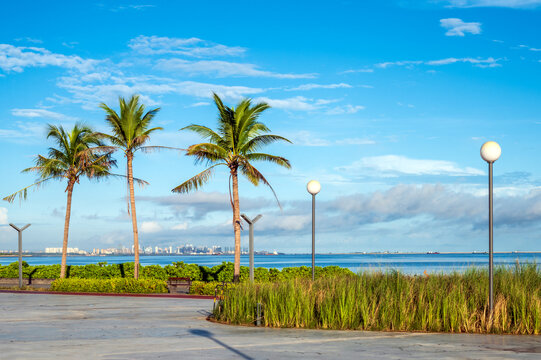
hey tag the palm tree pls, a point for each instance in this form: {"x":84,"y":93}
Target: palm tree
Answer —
{"x":130,"y":131}
{"x":79,"y":154}
{"x":235,"y":145}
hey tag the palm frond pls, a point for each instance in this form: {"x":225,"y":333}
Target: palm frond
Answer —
{"x":207,"y":153}
{"x":196,"y":181}
{"x":205,"y":132}
{"x":23,"y":193}
{"x":254,"y":176}
{"x":278,"y":160}
{"x":261,"y":140}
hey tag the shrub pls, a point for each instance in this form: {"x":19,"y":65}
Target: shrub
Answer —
{"x":113,"y":285}
{"x":221,"y":273}
{"x":203,"y":288}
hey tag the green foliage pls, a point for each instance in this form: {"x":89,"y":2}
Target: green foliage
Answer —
{"x":203,"y":288}
{"x":79,"y":153}
{"x":220,"y":273}
{"x":392,"y":301}
{"x":235,"y":144}
{"x":113,"y":285}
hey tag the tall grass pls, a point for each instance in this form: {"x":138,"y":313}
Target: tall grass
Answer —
{"x":456,"y":302}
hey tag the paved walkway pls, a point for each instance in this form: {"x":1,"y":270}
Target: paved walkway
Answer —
{"x":89,"y":327}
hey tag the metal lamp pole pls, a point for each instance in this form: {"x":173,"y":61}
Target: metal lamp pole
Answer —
{"x":490,"y":152}
{"x":313,"y":188}
{"x":251,"y":225}
{"x":20,"y":231}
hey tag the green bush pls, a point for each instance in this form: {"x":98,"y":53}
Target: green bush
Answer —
{"x":203,"y":288}
{"x":113,"y":285}
{"x":220,"y":273}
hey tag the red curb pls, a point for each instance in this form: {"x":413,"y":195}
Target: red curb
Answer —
{"x":174,"y":296}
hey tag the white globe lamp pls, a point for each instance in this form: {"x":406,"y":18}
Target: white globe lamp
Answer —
{"x":313,"y":187}
{"x":491,"y":151}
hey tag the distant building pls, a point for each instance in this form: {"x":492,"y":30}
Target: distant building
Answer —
{"x":55,"y":250}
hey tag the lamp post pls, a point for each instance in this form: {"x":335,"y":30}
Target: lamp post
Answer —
{"x":313,"y":188}
{"x":20,"y":231}
{"x":490,"y":152}
{"x":251,"y":225}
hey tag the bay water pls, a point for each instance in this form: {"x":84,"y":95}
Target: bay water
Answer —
{"x":407,"y":263}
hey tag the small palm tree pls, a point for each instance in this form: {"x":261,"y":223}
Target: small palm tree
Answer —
{"x":130,"y":131}
{"x":79,"y":154}
{"x":235,"y":145}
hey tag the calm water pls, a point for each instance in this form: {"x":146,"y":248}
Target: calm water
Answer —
{"x":406,"y":263}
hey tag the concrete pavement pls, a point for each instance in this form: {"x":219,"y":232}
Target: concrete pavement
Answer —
{"x":35,"y":326}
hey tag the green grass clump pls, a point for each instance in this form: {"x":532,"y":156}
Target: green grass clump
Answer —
{"x":114,"y":285}
{"x":394,"y":302}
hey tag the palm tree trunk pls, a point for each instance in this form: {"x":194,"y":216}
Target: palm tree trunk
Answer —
{"x":69,"y":190}
{"x":129,"y":156}
{"x":236,"y":224}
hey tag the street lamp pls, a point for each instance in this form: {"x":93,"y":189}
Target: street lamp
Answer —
{"x":490,"y":152}
{"x":251,"y":225}
{"x":313,"y":188}
{"x":20,"y":231}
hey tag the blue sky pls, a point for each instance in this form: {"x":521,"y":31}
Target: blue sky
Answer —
{"x":387,"y":104}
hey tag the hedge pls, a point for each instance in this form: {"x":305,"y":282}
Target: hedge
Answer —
{"x":220,"y":273}
{"x":114,"y":285}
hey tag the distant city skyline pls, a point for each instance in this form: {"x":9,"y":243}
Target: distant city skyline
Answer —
{"x":387,"y":104}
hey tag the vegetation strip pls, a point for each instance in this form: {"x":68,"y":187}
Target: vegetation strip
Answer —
{"x":394,"y":302}
{"x":176,"y":296}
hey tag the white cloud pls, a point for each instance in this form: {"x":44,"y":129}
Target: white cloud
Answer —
{"x":131,"y":7}
{"x":494,"y":3}
{"x":205,"y":90}
{"x":306,"y":138}
{"x":150,"y":227}
{"x":181,"y":226}
{"x":94,"y":88}
{"x":355,"y":141}
{"x":70,"y":44}
{"x":3,"y":216}
{"x":285,"y":222}
{"x":319,"y":86}
{"x":16,"y":58}
{"x":457,"y":27}
{"x":41,"y":113}
{"x":529,"y":48}
{"x":198,"y":104}
{"x":346,"y":109}
{"x":484,"y":63}
{"x":411,"y":106}
{"x":222,"y":68}
{"x":488,"y":62}
{"x":395,"y":165}
{"x":150,"y":45}
{"x":407,"y":63}
{"x":294,"y":103}
{"x":352,"y":71}
{"x":23,"y":130}
{"x":30,"y":40}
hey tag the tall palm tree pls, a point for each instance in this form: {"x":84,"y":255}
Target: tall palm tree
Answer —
{"x":236,"y":144}
{"x":130,"y":131}
{"x":79,"y":154}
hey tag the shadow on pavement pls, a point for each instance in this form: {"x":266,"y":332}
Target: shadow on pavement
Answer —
{"x":209,"y":335}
